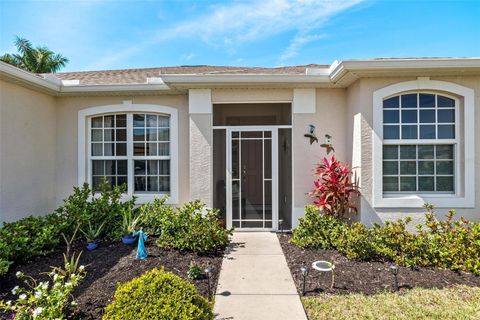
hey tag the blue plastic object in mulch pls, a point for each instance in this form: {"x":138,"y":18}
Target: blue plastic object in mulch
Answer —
{"x":141,"y":250}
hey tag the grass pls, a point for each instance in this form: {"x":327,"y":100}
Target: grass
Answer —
{"x":459,"y":302}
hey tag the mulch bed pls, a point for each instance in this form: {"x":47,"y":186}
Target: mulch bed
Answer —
{"x":112,"y":263}
{"x":366,"y":277}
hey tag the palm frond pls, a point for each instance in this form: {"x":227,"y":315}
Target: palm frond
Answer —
{"x":10,"y":59}
{"x":38,"y":60}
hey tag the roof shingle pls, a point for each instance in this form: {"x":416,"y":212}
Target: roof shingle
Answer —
{"x":126,"y":76}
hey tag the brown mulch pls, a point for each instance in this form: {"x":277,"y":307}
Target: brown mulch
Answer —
{"x":366,"y":277}
{"x":112,"y":263}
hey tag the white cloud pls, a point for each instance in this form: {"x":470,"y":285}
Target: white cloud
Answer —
{"x":296,"y":45}
{"x":187,"y":56}
{"x":230,"y":26}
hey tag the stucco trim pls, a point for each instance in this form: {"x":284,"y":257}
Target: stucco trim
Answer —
{"x":127,"y":106}
{"x":304,"y":100}
{"x":200,"y":101}
{"x":465,"y":200}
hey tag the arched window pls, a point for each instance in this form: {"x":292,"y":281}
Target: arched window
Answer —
{"x":419,"y":143}
{"x":135,"y":145}
{"x":423,"y":143}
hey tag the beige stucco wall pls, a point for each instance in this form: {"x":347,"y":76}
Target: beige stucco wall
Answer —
{"x":201,"y":170}
{"x":359,"y":97}
{"x":329,"y":118}
{"x":27,"y":152}
{"x":67,"y":136}
{"x":40,"y":162}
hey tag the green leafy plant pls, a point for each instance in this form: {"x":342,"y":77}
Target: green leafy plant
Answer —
{"x":317,"y":230}
{"x":129,"y":221}
{"x":356,"y":243}
{"x":4,"y":265}
{"x":104,"y":206}
{"x":36,"y":236}
{"x":158,"y":295}
{"x":195,"y":272}
{"x":92,"y":232}
{"x":71,"y":265}
{"x":44,"y":300}
{"x":335,"y":189}
{"x":448,"y":244}
{"x":26,"y":238}
{"x":192,"y":227}
{"x":152,"y":214}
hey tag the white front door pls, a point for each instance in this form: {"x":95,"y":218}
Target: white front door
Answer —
{"x":252,"y":171}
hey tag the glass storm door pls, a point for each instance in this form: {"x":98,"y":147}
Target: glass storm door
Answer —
{"x":251,"y":171}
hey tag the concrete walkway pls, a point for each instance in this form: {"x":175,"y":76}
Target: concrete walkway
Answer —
{"x":255,"y":281}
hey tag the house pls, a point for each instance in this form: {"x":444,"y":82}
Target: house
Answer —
{"x":233,"y":137}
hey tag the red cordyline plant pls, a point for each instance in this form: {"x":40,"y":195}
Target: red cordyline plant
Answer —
{"x":335,"y":188}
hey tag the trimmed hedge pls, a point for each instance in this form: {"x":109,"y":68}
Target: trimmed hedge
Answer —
{"x":444,"y":244}
{"x":158,"y":295}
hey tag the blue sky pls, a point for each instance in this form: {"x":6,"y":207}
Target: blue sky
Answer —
{"x":116,"y":34}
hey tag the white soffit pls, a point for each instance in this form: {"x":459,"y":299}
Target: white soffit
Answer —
{"x":199,"y":101}
{"x":304,"y":100}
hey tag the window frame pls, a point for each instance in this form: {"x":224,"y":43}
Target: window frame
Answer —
{"x":464,"y":196}
{"x":402,"y":142}
{"x":84,"y":155}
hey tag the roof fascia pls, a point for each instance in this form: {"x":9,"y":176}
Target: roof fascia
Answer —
{"x":243,"y":79}
{"x":114,"y":88}
{"x":17,"y":74}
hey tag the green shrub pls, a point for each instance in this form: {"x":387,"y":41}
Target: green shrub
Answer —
{"x":26,"y":238}
{"x":356,"y":242}
{"x":102,"y":207}
{"x":152,"y":214}
{"x":444,"y":244}
{"x":192,"y":227}
{"x":318,"y":231}
{"x":158,"y":295}
{"x":35,"y":236}
{"x":452,"y":244}
{"x":4,"y":265}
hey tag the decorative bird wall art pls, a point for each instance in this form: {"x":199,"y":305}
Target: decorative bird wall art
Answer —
{"x":328,"y":144}
{"x":313,"y":138}
{"x":311,"y":134}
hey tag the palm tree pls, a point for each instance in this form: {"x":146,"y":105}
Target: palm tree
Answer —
{"x":36,"y":60}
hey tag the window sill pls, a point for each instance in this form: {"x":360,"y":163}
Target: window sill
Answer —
{"x":417,"y":201}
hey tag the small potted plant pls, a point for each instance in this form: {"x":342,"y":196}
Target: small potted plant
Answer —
{"x":128,"y":226}
{"x":91,"y":234}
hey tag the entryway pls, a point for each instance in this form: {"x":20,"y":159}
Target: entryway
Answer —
{"x":252,"y":165}
{"x":252,"y":183}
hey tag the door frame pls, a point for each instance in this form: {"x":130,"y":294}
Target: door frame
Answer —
{"x":228,"y":166}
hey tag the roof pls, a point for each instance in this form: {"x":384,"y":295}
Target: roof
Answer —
{"x":124,"y":76}
{"x":180,"y":79}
